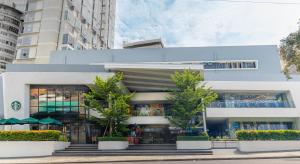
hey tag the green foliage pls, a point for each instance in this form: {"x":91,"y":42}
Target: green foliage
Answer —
{"x":110,"y":99}
{"x":290,"y":51}
{"x":33,"y":135}
{"x":189,"y":99}
{"x":202,"y":137}
{"x":268,"y":134}
{"x":112,"y":138}
{"x":63,"y":138}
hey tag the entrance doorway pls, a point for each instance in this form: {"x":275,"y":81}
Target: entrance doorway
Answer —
{"x":151,"y":134}
{"x":217,"y":128}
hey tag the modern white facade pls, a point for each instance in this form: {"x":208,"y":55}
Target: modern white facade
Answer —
{"x":51,"y":25}
{"x":253,"y":93}
{"x":10,"y":24}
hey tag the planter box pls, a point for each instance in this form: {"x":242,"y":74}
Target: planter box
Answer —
{"x":112,"y":145}
{"x":193,"y":145}
{"x":268,"y":146}
{"x":224,"y":144}
{"x":30,"y":148}
{"x":59,"y":145}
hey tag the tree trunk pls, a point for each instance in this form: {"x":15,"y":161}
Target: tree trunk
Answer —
{"x":110,"y":128}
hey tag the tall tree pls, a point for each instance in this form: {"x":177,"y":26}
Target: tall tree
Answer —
{"x":189,"y":99}
{"x":110,"y":99}
{"x":290,"y":52}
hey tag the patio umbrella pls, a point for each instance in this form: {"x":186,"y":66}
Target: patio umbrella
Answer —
{"x":11,"y":121}
{"x":30,"y":120}
{"x":2,"y":121}
{"x":50,"y":121}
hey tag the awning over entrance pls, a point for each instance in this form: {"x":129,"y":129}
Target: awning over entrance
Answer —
{"x":148,"y":77}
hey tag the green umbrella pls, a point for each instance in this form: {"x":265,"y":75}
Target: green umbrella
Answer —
{"x":50,"y":121}
{"x":12,"y":121}
{"x":2,"y":121}
{"x":30,"y":120}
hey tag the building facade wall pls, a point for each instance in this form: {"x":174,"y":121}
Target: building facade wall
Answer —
{"x":64,"y":25}
{"x":267,"y":57}
{"x":16,"y":87}
{"x":10,"y":23}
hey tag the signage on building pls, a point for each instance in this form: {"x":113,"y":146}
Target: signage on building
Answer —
{"x":16,"y":105}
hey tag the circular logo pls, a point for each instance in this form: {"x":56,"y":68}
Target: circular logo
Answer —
{"x":16,"y":105}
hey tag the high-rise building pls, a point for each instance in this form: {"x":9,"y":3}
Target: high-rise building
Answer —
{"x":51,"y":25}
{"x":9,"y":31}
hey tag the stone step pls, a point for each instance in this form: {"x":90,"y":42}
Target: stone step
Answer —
{"x":81,"y":149}
{"x":83,"y":145}
{"x":132,"y":152}
{"x":152,"y":147}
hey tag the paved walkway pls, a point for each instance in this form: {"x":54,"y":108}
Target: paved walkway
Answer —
{"x":219,"y":154}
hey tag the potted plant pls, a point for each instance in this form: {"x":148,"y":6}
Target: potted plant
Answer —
{"x":111,"y":101}
{"x":189,"y":99}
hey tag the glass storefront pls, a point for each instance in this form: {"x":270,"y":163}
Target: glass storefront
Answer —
{"x":253,"y":100}
{"x":262,"y":125}
{"x":66,"y":104}
{"x":57,"y":99}
{"x":151,"y":134}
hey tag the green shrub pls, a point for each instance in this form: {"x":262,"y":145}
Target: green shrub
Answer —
{"x":63,"y":138}
{"x":112,"y":138}
{"x":33,"y":135}
{"x":202,"y":137}
{"x":268,"y":134}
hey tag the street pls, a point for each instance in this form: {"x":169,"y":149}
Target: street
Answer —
{"x":258,"y":161}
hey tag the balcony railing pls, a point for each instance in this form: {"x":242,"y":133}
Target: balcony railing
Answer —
{"x":250,"y":104}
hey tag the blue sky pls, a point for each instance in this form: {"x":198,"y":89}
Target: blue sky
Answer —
{"x":205,"y":22}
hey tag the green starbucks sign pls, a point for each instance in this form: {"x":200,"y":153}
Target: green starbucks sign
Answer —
{"x":16,"y":105}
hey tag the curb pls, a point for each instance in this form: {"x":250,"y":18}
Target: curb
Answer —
{"x":182,"y":159}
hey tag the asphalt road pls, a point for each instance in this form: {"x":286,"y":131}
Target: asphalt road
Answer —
{"x":258,"y":161}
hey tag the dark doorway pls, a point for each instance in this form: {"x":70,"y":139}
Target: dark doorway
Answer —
{"x":217,"y":128}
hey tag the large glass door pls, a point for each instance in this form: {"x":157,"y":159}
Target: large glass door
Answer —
{"x":152,"y":134}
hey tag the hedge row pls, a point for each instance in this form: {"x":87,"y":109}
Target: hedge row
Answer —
{"x":202,"y":137}
{"x":33,"y":135}
{"x":268,"y":134}
{"x":112,"y":138}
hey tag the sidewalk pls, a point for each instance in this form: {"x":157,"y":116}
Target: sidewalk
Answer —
{"x":219,"y":154}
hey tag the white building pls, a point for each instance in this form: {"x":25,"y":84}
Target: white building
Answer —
{"x":51,"y":25}
{"x":253,"y":93}
{"x":10,"y":23}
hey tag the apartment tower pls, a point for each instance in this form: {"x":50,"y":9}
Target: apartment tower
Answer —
{"x":51,"y":25}
{"x":9,"y":30}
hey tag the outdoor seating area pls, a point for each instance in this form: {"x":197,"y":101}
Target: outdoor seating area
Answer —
{"x":45,"y":121}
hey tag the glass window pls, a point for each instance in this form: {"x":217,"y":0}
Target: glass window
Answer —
{"x":57,"y":98}
{"x":235,"y":126}
{"x":275,"y":126}
{"x":248,"y":125}
{"x":34,"y":95}
{"x":262,"y":126}
{"x":287,"y":125}
{"x":255,"y":99}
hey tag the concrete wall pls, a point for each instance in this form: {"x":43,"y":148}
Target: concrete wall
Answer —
{"x":269,"y":68}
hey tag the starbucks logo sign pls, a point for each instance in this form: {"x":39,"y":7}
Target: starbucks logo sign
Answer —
{"x":16,"y":105}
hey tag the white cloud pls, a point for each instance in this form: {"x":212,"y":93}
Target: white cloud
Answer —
{"x":203,"y":23}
